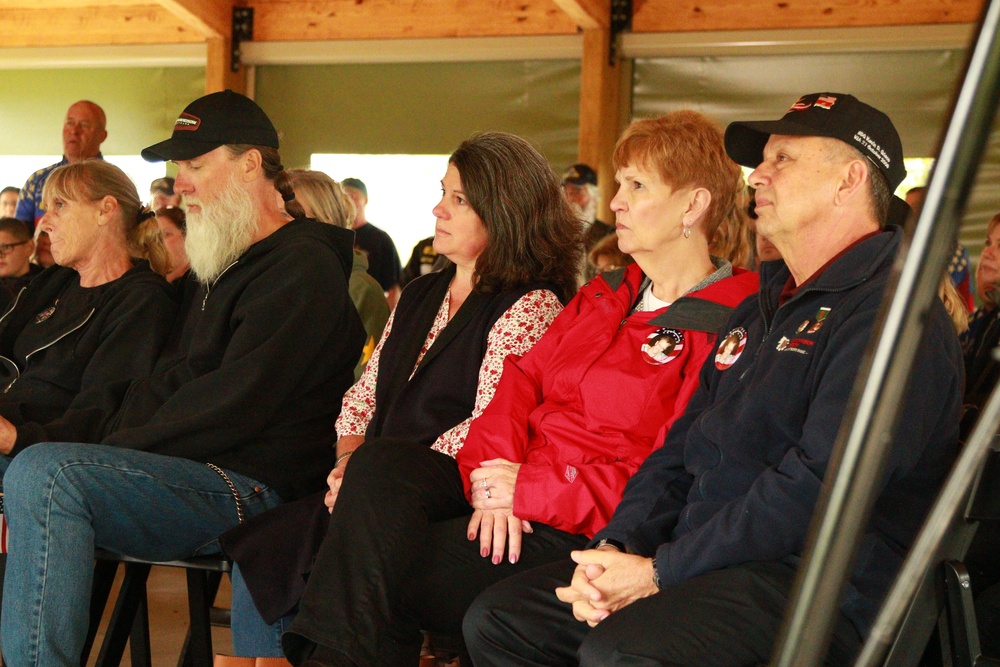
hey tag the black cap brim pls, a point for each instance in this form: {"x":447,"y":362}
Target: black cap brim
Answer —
{"x":745,"y":141}
{"x":177,"y":149}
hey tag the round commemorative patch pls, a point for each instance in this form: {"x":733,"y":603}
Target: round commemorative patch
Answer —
{"x":731,"y":348}
{"x":662,"y":346}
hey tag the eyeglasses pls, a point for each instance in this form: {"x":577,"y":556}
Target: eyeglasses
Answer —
{"x":6,"y":248}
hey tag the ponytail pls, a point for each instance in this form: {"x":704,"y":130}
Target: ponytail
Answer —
{"x":284,"y":186}
{"x":144,"y":240}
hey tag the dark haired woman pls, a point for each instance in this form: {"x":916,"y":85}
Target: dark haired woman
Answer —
{"x":513,"y":243}
{"x":98,"y":317}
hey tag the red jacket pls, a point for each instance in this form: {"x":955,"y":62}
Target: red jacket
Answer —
{"x":589,"y":402}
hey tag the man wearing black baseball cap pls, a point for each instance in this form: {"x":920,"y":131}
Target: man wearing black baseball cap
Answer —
{"x":238,"y":413}
{"x":697,"y":565}
{"x":579,"y":183}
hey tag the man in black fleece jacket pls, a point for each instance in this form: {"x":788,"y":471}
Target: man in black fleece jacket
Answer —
{"x":238,"y":414}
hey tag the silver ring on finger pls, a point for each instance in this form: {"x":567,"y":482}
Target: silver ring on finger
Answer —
{"x":485,"y":484}
{"x":488,"y":495}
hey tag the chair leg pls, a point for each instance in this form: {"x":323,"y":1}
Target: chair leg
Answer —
{"x":138,"y":640}
{"x":131,"y":596}
{"x":104,"y":579}
{"x":202,"y":588}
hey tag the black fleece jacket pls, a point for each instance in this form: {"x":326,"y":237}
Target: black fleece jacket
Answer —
{"x":113,"y":334}
{"x":255,"y":369}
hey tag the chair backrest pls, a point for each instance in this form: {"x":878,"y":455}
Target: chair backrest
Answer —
{"x":935,"y":603}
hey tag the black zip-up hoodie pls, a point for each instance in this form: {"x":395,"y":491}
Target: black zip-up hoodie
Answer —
{"x":113,"y":334}
{"x":257,"y":364}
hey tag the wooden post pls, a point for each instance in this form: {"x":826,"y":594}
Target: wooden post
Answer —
{"x":218,"y":75}
{"x":599,"y":108}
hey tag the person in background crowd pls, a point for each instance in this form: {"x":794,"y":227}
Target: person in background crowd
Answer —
{"x":981,"y":370}
{"x":16,"y":269}
{"x":606,"y":256}
{"x":235,"y":417}
{"x":173,"y":227}
{"x":98,"y":318}
{"x":697,"y":565}
{"x":323,"y":199}
{"x":423,"y":260}
{"x":960,"y":266}
{"x":84,"y":130}
{"x":8,"y":201}
{"x":43,"y":249}
{"x":579,"y":183}
{"x":161,"y":194}
{"x":383,"y":260}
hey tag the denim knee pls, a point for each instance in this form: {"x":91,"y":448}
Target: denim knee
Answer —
{"x":34,"y":470}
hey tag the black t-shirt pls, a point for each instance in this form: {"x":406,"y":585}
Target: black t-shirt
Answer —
{"x":383,"y":260}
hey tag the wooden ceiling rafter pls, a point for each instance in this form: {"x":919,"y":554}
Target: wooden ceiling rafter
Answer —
{"x":60,"y":23}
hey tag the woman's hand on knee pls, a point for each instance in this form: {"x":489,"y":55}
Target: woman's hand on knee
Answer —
{"x":333,"y":480}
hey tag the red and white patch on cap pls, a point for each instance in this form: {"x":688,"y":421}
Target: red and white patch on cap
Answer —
{"x":187,"y":122}
{"x":826,"y":101}
{"x":731,"y":348}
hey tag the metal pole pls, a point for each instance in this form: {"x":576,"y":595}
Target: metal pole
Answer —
{"x":865,"y":437}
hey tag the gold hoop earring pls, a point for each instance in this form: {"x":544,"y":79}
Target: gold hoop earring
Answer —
{"x":687,"y":232}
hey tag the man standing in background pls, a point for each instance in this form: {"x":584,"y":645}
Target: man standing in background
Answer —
{"x":83,"y":133}
{"x":383,"y":260}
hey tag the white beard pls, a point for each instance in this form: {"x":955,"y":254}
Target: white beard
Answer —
{"x":221,"y":231}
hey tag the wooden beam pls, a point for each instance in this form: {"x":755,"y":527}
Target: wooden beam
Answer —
{"x":86,"y":26}
{"x":218,"y":75}
{"x":587,"y":13}
{"x":288,"y":20}
{"x":213,"y":18}
{"x":707,"y":15}
{"x":599,"y":105}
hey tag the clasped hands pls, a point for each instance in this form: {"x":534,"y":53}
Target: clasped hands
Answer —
{"x":493,"y":517}
{"x":606,"y":580}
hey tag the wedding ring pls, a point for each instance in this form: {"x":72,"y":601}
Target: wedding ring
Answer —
{"x":485,"y":484}
{"x":488,"y":493}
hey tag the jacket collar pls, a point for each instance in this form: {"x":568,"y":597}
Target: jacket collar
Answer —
{"x":854,"y":267}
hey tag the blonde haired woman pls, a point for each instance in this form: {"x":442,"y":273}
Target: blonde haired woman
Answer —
{"x":97,"y":318}
{"x":323,"y":199}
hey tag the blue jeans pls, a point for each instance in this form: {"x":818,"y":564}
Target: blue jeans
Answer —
{"x":63,"y":500}
{"x":252,"y":636}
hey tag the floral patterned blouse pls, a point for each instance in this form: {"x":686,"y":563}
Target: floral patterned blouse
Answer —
{"x":513,"y":333}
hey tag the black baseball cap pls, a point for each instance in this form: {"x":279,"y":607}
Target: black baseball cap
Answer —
{"x":211,"y":121}
{"x":834,"y":115}
{"x":580,"y":174}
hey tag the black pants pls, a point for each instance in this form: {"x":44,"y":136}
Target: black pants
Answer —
{"x":396,"y":558}
{"x":728,"y":618}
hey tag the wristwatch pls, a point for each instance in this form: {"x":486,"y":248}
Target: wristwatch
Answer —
{"x":611,"y":543}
